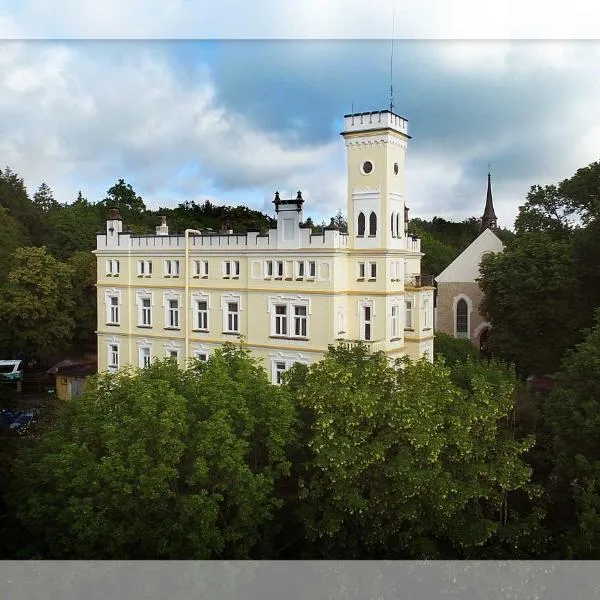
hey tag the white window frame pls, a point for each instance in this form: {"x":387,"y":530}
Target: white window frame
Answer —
{"x":144,"y":355}
{"x":280,"y":320}
{"x":202,"y":355}
{"x":426,"y":323}
{"x":113,"y":349}
{"x":200,"y":269}
{"x":361,"y":270}
{"x":269,"y":270}
{"x":167,"y":297}
{"x":113,"y":267}
{"x":172,"y":267}
{"x":201,"y":316}
{"x":142,"y":295}
{"x":364,"y":321}
{"x":144,"y":268}
{"x":288,"y":360}
{"x":226,"y":299}
{"x":300,"y":269}
{"x":408,"y":314}
{"x":395,"y":321}
{"x":311,"y":269}
{"x":109,"y":296}
{"x":290,"y":317}
{"x":372,"y":271}
{"x":279,"y":269}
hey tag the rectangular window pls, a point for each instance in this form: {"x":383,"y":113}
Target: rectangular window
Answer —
{"x":409,"y":320}
{"x":144,"y":357}
{"x":361,"y":270}
{"x":227,"y":269}
{"x":202,"y":315}
{"x":113,"y":315}
{"x":236,"y":268}
{"x":279,"y":268}
{"x":373,"y":270}
{"x":201,"y":355}
{"x":112,"y":268}
{"x":299,"y":269}
{"x":113,"y":356}
{"x":367,"y":324}
{"x":280,"y":368}
{"x":269,"y":268}
{"x":145,"y":312}
{"x":395,"y":331}
{"x":426,"y":323}
{"x":171,"y":268}
{"x":173,"y":313}
{"x":312,"y":269}
{"x":280,"y":319}
{"x":233,"y":317}
{"x":144,"y":268}
{"x":201,"y":268}
{"x":300,"y":321}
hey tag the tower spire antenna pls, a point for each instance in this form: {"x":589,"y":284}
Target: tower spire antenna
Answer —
{"x":392,"y":62}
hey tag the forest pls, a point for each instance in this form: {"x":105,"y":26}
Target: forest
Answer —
{"x":352,"y":457}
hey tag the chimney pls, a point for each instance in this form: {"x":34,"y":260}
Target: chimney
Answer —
{"x":114,"y":223}
{"x":163,"y":228}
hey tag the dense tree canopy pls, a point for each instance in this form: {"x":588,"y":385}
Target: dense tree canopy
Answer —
{"x":159,"y":464}
{"x":403,"y":463}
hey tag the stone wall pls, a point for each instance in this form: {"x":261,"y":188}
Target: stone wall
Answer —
{"x":447,"y":292}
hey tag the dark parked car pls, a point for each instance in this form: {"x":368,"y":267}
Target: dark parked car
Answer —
{"x":19,"y":423}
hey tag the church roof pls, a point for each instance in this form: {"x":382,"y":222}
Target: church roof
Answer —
{"x":489,"y":213}
{"x":465,"y":267}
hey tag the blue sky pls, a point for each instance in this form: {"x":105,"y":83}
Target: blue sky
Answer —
{"x":234,"y":120}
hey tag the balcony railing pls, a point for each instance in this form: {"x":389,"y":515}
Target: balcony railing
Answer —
{"x":418,"y":281}
{"x":372,"y":346}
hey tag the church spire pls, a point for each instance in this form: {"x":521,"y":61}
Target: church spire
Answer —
{"x":489,"y":220}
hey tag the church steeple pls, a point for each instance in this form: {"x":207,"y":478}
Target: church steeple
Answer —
{"x":489,"y":220}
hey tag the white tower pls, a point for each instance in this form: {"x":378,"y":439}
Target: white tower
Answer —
{"x":376,"y":143}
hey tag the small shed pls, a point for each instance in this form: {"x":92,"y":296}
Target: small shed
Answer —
{"x":71,"y":377}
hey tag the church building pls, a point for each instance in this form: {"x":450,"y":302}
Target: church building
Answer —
{"x":288,"y":292}
{"x":458,"y":293}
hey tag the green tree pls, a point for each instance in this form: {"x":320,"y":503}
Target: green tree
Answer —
{"x":44,"y":198}
{"x":84,"y":301}
{"x":572,"y":416}
{"x":123,"y":197}
{"x":402,"y":463}
{"x":159,"y":463}
{"x":454,"y":350}
{"x":532,"y":298}
{"x":36,"y":305}
{"x":12,"y":236}
{"x":14,"y":198}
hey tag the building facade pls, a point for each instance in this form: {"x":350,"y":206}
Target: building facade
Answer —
{"x":459,"y":296}
{"x":289,"y":292}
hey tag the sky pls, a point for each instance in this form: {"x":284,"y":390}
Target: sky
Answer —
{"x":233,"y":119}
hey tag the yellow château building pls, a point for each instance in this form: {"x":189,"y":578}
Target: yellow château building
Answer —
{"x":288,"y":292}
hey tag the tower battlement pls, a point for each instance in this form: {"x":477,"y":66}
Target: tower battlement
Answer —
{"x":373,"y":121}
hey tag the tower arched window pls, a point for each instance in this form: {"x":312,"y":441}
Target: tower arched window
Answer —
{"x":394,"y":233}
{"x":398,"y":234}
{"x":361,"y":224}
{"x":462,"y":319}
{"x":373,"y":225}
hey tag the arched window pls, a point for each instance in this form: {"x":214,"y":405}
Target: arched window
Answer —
{"x":398,"y":234}
{"x":462,"y":318}
{"x":361,"y":224}
{"x":373,"y":225}
{"x":392,"y":226}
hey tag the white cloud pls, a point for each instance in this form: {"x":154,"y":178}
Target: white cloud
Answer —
{"x":79,"y":117}
{"x":308,"y":19}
